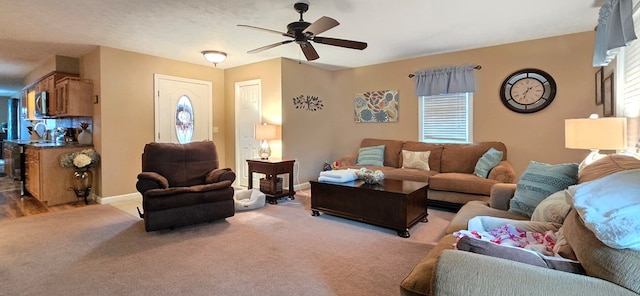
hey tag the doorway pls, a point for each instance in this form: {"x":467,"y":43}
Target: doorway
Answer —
{"x":248,"y":96}
{"x":183,"y":111}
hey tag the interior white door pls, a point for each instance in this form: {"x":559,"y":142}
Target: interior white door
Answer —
{"x":183,"y":111}
{"x":248,"y":96}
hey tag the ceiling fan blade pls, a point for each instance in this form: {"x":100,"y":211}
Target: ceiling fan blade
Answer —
{"x":340,"y":42}
{"x":266,"y":30}
{"x":309,"y":52}
{"x":322,"y":24}
{"x":259,"y":49}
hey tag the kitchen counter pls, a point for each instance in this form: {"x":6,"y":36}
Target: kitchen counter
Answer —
{"x":48,"y":144}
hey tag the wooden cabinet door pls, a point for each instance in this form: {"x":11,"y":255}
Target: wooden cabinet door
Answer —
{"x":74,"y":97}
{"x":32,"y":172}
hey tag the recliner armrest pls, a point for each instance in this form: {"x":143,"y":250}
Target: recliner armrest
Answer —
{"x":191,"y":189}
{"x":151,"y":180}
{"x":503,"y":172}
{"x":218,"y":175}
{"x":501,"y":194}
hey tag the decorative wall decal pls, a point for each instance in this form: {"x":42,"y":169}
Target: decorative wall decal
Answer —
{"x":376,"y":106}
{"x":310,"y":103}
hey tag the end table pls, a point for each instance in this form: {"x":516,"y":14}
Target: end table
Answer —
{"x":272,"y":168}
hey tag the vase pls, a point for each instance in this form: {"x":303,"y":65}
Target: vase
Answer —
{"x":85,"y":137}
{"x":81,"y":182}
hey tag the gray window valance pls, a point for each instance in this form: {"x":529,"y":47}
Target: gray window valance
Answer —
{"x":437,"y":81}
{"x":615,"y":30}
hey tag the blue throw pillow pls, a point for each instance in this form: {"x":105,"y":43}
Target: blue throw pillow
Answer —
{"x":539,"y":181}
{"x":487,"y":162}
{"x":373,"y":155}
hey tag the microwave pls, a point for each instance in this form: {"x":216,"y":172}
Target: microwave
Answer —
{"x":42,"y":104}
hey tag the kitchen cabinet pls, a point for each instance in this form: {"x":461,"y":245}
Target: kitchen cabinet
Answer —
{"x":45,"y":179}
{"x":74,"y":97}
{"x":47,"y":83}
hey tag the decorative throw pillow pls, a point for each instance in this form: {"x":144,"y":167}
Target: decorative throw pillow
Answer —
{"x":487,"y":162}
{"x":415,"y":159}
{"x":552,"y":209}
{"x":478,"y":246}
{"x":539,"y":181}
{"x":610,"y":208}
{"x":373,"y":155}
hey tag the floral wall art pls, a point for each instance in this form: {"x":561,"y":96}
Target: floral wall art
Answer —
{"x":376,"y":106}
{"x":308,"y":103}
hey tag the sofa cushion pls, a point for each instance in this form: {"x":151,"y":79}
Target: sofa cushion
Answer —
{"x":392,"y":150}
{"x":517,"y":254}
{"x":552,"y":209}
{"x":608,"y":165}
{"x":610,"y":208}
{"x":459,"y":182}
{"x":408,"y":174}
{"x":373,"y":155}
{"x":434,"y":157}
{"x":619,"y":266}
{"x":462,"y":158}
{"x":415,"y":160}
{"x":539,"y":181}
{"x":488,"y":161}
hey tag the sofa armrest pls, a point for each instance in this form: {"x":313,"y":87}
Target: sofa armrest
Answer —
{"x":501,"y":194}
{"x":218,"y":175}
{"x":151,"y":180}
{"x":348,"y":160}
{"x":465,"y":273}
{"x":503,"y":172}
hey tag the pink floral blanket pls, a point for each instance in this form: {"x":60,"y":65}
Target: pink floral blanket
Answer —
{"x":511,"y":236}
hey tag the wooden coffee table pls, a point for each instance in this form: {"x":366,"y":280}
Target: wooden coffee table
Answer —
{"x":394,"y":204}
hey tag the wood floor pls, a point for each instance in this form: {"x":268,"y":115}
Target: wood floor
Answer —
{"x":13,"y":205}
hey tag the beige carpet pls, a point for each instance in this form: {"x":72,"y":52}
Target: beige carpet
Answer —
{"x":276,"y":250}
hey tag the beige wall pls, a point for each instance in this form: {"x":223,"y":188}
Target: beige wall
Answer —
{"x":126,"y":117}
{"x":306,"y":135}
{"x":270,"y":75}
{"x":538,"y":136}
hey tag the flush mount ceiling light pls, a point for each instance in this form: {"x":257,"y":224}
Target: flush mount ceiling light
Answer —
{"x":214,"y":56}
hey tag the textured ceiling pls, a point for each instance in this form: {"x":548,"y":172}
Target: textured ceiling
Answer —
{"x":32,"y":31}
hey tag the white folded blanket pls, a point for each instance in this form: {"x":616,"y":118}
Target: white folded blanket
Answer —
{"x":338,"y":176}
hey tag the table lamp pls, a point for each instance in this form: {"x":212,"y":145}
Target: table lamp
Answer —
{"x":265,"y":132}
{"x":595,"y":133}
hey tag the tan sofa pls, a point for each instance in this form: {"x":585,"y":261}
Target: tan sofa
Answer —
{"x":451,"y":179}
{"x":446,"y":271}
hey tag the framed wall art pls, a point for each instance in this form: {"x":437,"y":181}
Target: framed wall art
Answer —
{"x":376,"y":106}
{"x":599,"y":86}
{"x":608,"y":97}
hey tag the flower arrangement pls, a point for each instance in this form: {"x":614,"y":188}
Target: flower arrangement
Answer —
{"x":81,"y":160}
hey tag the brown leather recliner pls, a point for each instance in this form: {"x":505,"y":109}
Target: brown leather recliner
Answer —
{"x":181,"y":184}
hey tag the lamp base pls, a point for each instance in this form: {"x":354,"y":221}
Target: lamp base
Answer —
{"x":592,"y":157}
{"x":265,"y":151}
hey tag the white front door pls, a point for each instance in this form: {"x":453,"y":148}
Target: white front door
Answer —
{"x":183,"y":110}
{"x":248,"y":105}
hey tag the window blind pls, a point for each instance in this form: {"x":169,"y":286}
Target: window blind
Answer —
{"x":629,"y":102}
{"x":446,"y":118}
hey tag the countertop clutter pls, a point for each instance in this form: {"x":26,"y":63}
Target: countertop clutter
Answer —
{"x":48,"y":144}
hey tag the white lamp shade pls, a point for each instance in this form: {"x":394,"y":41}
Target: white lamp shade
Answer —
{"x":596,"y":133}
{"x":266,"y":132}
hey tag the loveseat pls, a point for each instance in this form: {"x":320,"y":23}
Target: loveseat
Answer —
{"x":450,"y":171}
{"x":607,"y":270}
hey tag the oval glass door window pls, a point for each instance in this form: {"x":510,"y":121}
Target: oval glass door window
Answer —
{"x":184,"y":120}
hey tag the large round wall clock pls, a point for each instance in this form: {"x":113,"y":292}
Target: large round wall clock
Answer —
{"x":528,"y":90}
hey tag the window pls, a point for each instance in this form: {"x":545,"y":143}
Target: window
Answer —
{"x":446,"y":118}
{"x":628,"y":102}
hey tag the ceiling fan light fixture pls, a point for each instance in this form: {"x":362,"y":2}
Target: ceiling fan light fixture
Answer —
{"x":214,"y":56}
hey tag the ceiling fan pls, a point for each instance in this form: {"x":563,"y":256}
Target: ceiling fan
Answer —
{"x":303,"y":32}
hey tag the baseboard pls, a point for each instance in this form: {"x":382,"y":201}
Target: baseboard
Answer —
{"x":302,"y":186}
{"x":112,"y":199}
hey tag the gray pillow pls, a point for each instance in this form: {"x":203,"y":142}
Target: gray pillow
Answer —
{"x":538,"y":182}
{"x":487,"y":162}
{"x":373,"y":155}
{"x":517,"y":254}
